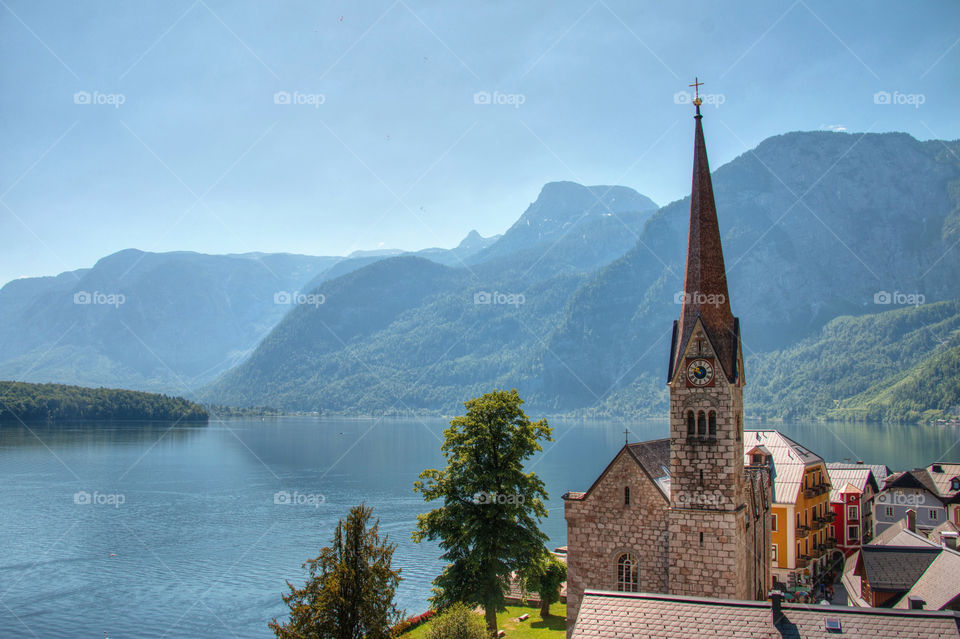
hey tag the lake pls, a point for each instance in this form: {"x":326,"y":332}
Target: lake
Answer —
{"x":143,"y":531}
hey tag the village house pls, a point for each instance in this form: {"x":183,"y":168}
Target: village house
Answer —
{"x":912,"y":490}
{"x":853,"y":488}
{"x":801,"y":536}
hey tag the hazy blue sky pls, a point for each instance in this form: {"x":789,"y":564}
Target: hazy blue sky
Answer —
{"x":200,"y":156}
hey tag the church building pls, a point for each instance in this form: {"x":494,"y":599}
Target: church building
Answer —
{"x":683,"y":515}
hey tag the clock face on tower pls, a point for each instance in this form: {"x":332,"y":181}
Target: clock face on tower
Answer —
{"x":699,"y":372}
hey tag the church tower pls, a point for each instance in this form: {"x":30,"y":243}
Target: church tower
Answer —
{"x":710,"y":511}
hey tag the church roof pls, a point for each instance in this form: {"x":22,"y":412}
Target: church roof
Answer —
{"x":705,"y":295}
{"x":631,"y":615}
{"x":652,"y":456}
{"x":790,"y":461}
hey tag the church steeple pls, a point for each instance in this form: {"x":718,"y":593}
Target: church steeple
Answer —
{"x":705,"y":294}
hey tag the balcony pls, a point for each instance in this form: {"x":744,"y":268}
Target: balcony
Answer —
{"x":816,"y":551}
{"x":803,"y":530}
{"x":817,"y":523}
{"x":803,"y":561}
{"x":831,"y":543}
{"x":809,"y":493}
{"x":830,"y":517}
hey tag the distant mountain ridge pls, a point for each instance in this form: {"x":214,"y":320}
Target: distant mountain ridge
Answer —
{"x":814,"y":226}
{"x":572,"y":305}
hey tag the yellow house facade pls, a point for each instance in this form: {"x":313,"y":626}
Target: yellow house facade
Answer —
{"x":801,"y":536}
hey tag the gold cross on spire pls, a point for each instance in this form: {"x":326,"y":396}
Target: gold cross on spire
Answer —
{"x":696,"y":87}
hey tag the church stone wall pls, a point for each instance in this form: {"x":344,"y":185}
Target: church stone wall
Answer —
{"x":600,"y":528}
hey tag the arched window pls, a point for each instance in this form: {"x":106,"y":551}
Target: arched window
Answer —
{"x":626,"y":495}
{"x":713,"y":423}
{"x":628,"y":574}
{"x":702,"y":424}
{"x":691,"y":424}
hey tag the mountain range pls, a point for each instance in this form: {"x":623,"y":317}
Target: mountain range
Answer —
{"x":572,"y":305}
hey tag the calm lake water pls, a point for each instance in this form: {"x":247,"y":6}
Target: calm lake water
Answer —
{"x":182,"y":536}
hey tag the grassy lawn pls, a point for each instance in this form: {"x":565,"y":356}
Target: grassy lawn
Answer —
{"x":533,"y":628}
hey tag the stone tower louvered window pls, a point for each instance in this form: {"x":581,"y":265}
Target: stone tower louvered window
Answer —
{"x":713,"y":423}
{"x":691,"y":424}
{"x":702,"y":424}
{"x":628,"y":573}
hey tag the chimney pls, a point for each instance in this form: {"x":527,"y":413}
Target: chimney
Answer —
{"x":776,"y":598}
{"x":860,"y":462}
{"x":912,"y":520}
{"x":916,"y":603}
{"x":949,"y":540}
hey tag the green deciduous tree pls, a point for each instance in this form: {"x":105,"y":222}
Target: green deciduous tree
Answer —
{"x":544,"y":577}
{"x":349,"y":594}
{"x":457,"y":622}
{"x":488,"y":525}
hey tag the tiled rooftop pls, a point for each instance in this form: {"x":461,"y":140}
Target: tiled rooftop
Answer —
{"x":896,"y":568}
{"x":790,"y":460}
{"x":939,"y":585}
{"x":621,"y":615}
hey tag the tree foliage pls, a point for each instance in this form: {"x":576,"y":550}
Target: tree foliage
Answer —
{"x":488,"y":523}
{"x":457,"y":622}
{"x":20,"y":401}
{"x":544,"y":577}
{"x":349,"y":594}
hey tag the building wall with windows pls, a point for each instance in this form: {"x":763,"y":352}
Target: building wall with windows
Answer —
{"x":615,"y":542}
{"x":892,"y":504}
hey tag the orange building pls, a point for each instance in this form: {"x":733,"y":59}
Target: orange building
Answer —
{"x":800,"y":535}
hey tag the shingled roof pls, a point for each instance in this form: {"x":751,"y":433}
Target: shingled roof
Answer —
{"x":652,"y":456}
{"x":604,"y":615}
{"x":896,"y":568}
{"x":790,"y":461}
{"x":705,"y":279}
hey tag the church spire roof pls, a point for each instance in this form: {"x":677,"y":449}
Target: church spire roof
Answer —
{"x":705,"y":294}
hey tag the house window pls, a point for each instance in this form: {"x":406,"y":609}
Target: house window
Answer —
{"x":757,"y":460}
{"x":933,"y":514}
{"x":626,"y":495}
{"x":853,"y":533}
{"x":888,"y":511}
{"x":773,"y":551}
{"x":955,"y":483}
{"x":628,"y":574}
{"x":713,"y":423}
{"x":691,"y":424}
{"x":851,"y":512}
{"x":773,"y":526}
{"x":701,"y":424}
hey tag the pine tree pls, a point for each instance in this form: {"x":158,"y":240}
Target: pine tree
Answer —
{"x":349,"y":594}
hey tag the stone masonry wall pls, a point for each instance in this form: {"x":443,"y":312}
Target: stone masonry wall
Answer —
{"x":600,"y":527}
